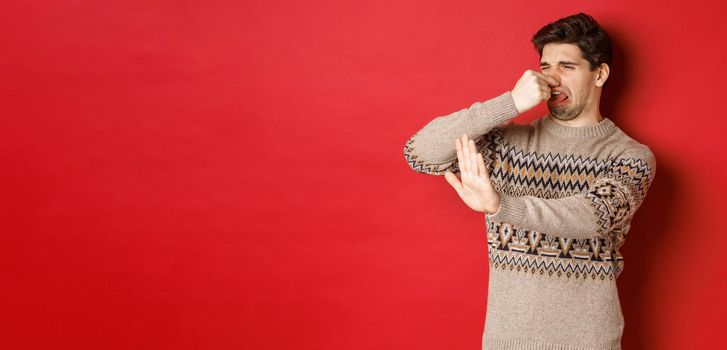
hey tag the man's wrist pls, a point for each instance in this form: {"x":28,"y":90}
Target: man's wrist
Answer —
{"x":496,"y":207}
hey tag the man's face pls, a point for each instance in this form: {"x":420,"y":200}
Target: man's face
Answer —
{"x":577,"y":81}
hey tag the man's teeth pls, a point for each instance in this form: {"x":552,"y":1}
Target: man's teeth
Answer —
{"x":555,"y":93}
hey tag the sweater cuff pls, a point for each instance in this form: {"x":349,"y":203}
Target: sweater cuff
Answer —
{"x":499,"y":109}
{"x":512,"y":210}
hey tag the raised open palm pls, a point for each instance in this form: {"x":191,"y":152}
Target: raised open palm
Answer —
{"x":475,"y":187}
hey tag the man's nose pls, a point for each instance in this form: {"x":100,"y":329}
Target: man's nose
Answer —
{"x":556,"y":77}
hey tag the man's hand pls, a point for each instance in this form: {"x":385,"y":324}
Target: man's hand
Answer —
{"x":475,"y":189}
{"x":532,"y":88}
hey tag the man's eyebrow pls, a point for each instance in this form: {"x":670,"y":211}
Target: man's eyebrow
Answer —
{"x":559,"y":62}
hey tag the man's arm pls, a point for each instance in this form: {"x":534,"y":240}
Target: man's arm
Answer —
{"x":604,"y":209}
{"x":431,"y":150}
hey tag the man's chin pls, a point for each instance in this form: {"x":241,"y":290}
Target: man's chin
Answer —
{"x":562,"y":114}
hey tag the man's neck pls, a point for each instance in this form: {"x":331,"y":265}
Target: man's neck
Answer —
{"x":583,"y":119}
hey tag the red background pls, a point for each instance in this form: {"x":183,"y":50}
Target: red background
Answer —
{"x":227,"y":175}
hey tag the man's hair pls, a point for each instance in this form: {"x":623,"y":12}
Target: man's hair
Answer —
{"x":579,"y":29}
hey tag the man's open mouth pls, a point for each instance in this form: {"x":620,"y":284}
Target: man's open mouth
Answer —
{"x":557,"y":97}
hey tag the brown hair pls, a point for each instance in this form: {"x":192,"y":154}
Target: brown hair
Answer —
{"x":579,"y":29}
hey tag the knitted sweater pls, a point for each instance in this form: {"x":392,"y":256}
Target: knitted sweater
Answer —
{"x":567,"y":197}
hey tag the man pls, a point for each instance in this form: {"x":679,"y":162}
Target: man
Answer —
{"x":558,"y":193}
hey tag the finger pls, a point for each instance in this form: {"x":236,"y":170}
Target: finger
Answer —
{"x":452,"y":180}
{"x":545,"y":95}
{"x":542,"y":83}
{"x":551,"y":80}
{"x":545,"y":92}
{"x":458,"y":144}
{"x":473,"y":156}
{"x":545,"y":88}
{"x":465,"y":154}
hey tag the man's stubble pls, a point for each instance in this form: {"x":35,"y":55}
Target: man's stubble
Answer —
{"x":568,"y":112}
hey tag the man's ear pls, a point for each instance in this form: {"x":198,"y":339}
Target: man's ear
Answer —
{"x":602,"y":75}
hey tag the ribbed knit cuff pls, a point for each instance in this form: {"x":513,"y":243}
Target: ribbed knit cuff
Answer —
{"x":512,"y":210}
{"x":496,"y":111}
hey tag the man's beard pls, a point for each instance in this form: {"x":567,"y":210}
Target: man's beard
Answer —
{"x":568,"y":112}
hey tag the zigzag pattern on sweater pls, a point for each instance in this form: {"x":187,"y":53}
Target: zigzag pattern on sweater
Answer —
{"x":542,"y":175}
{"x":535,"y":252}
{"x":617,"y":195}
{"x":614,"y":188}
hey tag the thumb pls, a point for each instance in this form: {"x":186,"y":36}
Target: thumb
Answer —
{"x":551,"y":80}
{"x":453,"y":180}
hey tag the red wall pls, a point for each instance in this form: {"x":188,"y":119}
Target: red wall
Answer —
{"x":227,"y":175}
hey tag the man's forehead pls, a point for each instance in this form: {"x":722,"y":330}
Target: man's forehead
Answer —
{"x":557,"y":52}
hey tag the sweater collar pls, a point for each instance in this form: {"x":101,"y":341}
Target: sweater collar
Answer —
{"x":602,"y":128}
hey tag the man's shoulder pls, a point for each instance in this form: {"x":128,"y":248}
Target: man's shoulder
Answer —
{"x":627,"y":148}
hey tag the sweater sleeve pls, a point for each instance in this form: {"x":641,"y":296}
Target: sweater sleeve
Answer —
{"x":431,"y":150}
{"x":604,"y":209}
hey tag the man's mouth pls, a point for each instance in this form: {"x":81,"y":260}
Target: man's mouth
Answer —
{"x":557,"y":97}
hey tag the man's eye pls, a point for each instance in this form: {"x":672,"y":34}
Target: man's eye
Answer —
{"x":569,"y":67}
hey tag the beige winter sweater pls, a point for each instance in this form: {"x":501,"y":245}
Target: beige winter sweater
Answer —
{"x":568,"y":195}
